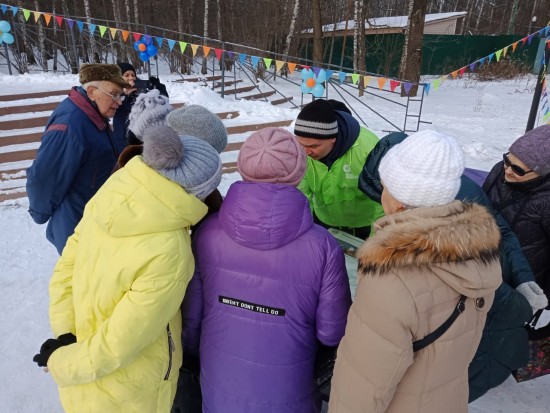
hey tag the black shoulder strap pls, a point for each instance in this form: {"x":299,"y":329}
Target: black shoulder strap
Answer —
{"x":434,"y":335}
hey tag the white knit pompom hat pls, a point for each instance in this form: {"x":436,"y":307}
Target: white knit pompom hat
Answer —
{"x":424,"y":169}
{"x":150,"y":109}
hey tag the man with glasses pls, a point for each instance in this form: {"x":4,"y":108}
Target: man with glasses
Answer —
{"x":77,"y":152}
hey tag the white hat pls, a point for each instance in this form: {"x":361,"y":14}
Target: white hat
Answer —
{"x":424,"y":169}
{"x":150,"y":109}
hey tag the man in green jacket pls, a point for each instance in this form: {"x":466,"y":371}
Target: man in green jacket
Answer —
{"x":337,"y":147}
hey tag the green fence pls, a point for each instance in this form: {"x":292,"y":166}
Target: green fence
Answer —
{"x":440,"y":53}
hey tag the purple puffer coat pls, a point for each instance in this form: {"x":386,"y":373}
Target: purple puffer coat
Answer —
{"x":268,"y":284}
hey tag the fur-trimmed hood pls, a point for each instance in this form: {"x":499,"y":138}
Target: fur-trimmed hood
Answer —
{"x":451,"y":234}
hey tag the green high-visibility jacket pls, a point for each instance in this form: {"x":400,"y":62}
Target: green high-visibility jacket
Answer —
{"x":333,"y":193}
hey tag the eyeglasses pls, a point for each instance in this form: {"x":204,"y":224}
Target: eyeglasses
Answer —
{"x":518,"y":170}
{"x":114,"y":97}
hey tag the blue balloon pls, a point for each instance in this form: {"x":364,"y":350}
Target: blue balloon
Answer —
{"x":144,"y":56}
{"x":7,"y":38}
{"x":4,"y":26}
{"x":322,"y":76}
{"x":318,"y":91}
{"x":306,"y":74}
{"x":136,"y":46}
{"x":152,"y":50}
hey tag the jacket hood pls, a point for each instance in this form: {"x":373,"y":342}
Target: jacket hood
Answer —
{"x":264,"y":216}
{"x":446,"y":239}
{"x":137,"y":200}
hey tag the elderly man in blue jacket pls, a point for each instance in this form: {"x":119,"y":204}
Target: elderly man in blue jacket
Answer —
{"x":77,"y":152}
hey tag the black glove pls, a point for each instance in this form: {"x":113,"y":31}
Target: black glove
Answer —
{"x":324,"y":366}
{"x":50,"y":345}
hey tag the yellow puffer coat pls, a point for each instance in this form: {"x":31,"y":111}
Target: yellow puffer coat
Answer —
{"x":118,"y":287}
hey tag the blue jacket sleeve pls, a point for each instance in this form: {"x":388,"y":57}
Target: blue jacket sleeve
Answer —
{"x":52,"y":172}
{"x":335,"y":297}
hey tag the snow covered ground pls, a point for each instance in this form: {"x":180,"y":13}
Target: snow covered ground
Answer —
{"x":485,"y":117}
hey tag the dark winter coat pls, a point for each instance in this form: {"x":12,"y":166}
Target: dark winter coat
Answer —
{"x":269,"y":285}
{"x":75,"y":157}
{"x":503,"y":345}
{"x":526,"y":207}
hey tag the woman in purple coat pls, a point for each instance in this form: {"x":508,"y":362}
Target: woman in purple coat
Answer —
{"x":270,"y":287}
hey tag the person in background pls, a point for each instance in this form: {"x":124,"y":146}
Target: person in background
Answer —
{"x":432,"y":263}
{"x":504,"y":344}
{"x":116,"y":291}
{"x":270,"y":287}
{"x":138,"y":86}
{"x":336,"y":146}
{"x":77,"y":152}
{"x":519,"y":188}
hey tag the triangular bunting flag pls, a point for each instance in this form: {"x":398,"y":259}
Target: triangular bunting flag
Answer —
{"x":218,"y":53}
{"x":70,"y":23}
{"x":4,"y":8}
{"x":279,"y":65}
{"x":529,"y":38}
{"x":355,"y":78}
{"x":229,"y":53}
{"x":171,"y":44}
{"x":254,"y":60}
{"x":267,"y":62}
{"x":92,"y":27}
{"x":194,"y":48}
{"x":102,"y":30}
{"x":305,"y":67}
{"x":291,"y":67}
{"x":498,"y":53}
{"x":159,"y":41}
{"x":436,"y":83}
{"x":125,"y":34}
{"x":59,"y":21}
{"x":514,"y":46}
{"x":366,"y":81}
{"x":504,"y":51}
{"x":242,"y":58}
{"x":407,"y":86}
{"x":443,"y":78}
{"x":136,"y":36}
{"x":426,"y":88}
{"x":206,"y":50}
{"x":454,"y":74}
{"x":381,"y":82}
{"x":14,"y":10}
{"x":394,"y":84}
{"x":329,"y":73}
{"x":490,"y":57}
{"x":523,"y":41}
{"x":36,"y":16}
{"x":47,"y":18}
{"x":341,"y":77}
{"x":472,"y":66}
{"x":26,"y":14}
{"x":113,"y":32}
{"x":462,"y":71}
{"x":80,"y":26}
{"x":481,"y":61}
{"x":316,"y":70}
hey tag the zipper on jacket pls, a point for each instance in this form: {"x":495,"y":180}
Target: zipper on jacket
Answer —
{"x":170,"y":351}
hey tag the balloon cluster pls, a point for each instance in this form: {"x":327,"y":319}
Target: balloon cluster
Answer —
{"x":5,"y":37}
{"x":313,"y":84}
{"x":146,"y":48}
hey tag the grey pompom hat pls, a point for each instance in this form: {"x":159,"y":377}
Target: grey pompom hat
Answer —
{"x":185,"y":160}
{"x":197,"y":121}
{"x":150,"y":109}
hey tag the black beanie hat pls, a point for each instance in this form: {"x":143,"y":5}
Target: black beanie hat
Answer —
{"x":124,"y":67}
{"x":339,"y":106}
{"x":317,"y":120}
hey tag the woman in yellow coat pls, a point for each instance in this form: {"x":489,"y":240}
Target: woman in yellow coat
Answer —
{"x":120,"y":281}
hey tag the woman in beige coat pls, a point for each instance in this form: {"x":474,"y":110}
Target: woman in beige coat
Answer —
{"x":427,"y":252}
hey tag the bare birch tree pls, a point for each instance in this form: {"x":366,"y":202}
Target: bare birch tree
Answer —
{"x":292,"y":27}
{"x":204,"y":69}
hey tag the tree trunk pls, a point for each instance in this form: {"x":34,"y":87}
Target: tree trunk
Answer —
{"x":317,"y":32}
{"x":72,"y":53}
{"x":41,"y":41}
{"x":411,"y":59}
{"x":93,"y":46}
{"x":292,"y":27}
{"x":204,"y":69}
{"x":26,"y":57}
